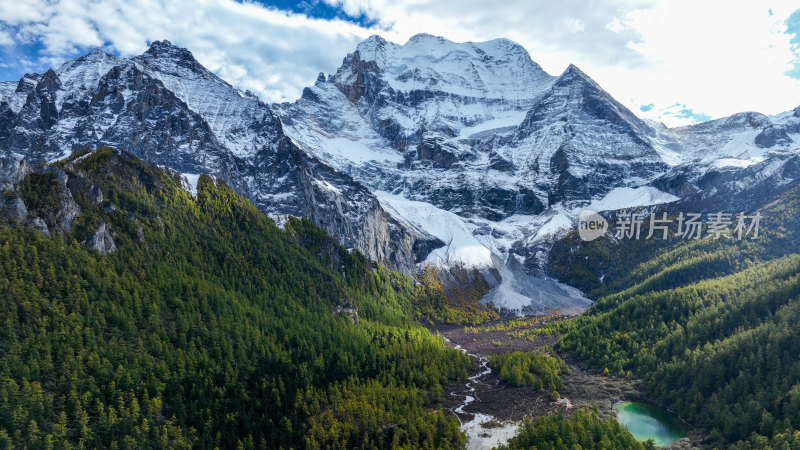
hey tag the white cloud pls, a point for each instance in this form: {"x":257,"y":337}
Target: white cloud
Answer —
{"x":573,"y":25}
{"x":716,"y":57}
{"x":21,"y":12}
{"x":273,"y":53}
{"x":5,"y":38}
{"x":615,"y":25}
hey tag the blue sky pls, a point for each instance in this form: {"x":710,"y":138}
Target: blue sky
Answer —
{"x":320,"y":10}
{"x":793,"y":28}
{"x":17,"y":59}
{"x":679,"y":61}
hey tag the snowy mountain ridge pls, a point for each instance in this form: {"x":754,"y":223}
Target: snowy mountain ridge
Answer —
{"x":464,"y":156}
{"x":475,"y":144}
{"x":167,"y":108}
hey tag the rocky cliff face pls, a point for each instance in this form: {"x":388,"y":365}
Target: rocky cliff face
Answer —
{"x":581,"y":142}
{"x":472,"y":143}
{"x":397,"y":118}
{"x":39,"y":198}
{"x":733,"y":189}
{"x":165,"y":107}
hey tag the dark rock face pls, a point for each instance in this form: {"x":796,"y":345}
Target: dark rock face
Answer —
{"x":157,"y":126}
{"x":16,"y":210}
{"x":12,"y":171}
{"x":744,"y":190}
{"x":357,"y":79}
{"x":28,"y":83}
{"x":771,"y":136}
{"x":58,"y":215}
{"x":68,"y":209}
{"x":50,"y":191}
{"x":336,"y":203}
{"x":33,"y":122}
{"x":38,"y":224}
{"x":7,"y":119}
{"x":431,"y":152}
{"x":677,"y":182}
{"x":500,"y":164}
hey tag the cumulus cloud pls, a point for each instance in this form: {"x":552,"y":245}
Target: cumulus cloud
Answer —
{"x":270,"y":52}
{"x":712,"y":58}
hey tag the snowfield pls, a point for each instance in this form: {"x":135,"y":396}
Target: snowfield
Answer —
{"x":624,"y":197}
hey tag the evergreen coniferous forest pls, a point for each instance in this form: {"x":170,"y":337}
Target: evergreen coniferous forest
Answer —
{"x":583,"y":430}
{"x":209,"y":327}
{"x":709,"y":325}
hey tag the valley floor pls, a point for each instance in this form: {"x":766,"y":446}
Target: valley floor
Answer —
{"x":500,"y":407}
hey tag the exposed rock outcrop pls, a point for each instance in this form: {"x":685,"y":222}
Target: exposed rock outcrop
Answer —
{"x":102,"y":240}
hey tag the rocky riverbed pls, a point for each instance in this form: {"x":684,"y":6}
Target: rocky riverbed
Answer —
{"x":490,"y":410}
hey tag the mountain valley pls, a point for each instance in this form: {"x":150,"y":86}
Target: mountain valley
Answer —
{"x":390,"y":261}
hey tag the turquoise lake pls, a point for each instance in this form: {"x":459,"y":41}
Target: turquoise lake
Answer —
{"x":647,"y":422}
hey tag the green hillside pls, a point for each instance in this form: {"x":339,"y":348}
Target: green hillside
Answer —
{"x":209,"y":326}
{"x":583,"y":430}
{"x":710,"y":325}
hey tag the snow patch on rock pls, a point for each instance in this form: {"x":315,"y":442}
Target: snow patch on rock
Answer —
{"x":461,"y":248}
{"x":190,"y":182}
{"x":625,"y":197}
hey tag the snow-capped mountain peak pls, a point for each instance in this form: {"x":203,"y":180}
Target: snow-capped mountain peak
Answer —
{"x":173,"y":60}
{"x":574,"y":87}
{"x":497,"y":69}
{"x":373,"y":49}
{"x":239,"y":121}
{"x":81,"y":74}
{"x":166,"y":50}
{"x":581,"y":142}
{"x":487,"y":142}
{"x":466,"y":156}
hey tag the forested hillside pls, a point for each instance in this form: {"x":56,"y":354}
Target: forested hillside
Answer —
{"x":710,"y":325}
{"x":583,"y":430}
{"x":204,"y":325}
{"x":208,"y":326}
{"x":609,"y":265}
